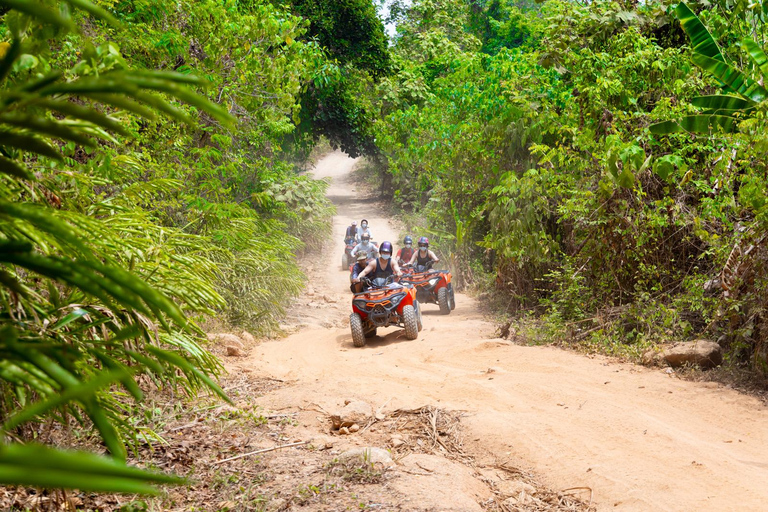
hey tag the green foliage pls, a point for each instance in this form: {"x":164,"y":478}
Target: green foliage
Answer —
{"x":722,"y":113}
{"x":136,"y":198}
{"x":532,"y":123}
{"x":336,"y":104}
{"x":350,"y":30}
{"x":75,"y":321}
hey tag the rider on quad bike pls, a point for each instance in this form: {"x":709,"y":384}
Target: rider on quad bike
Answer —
{"x":349,"y":243}
{"x":423,"y":258}
{"x":363,"y":229}
{"x":358,"y":267}
{"x":432,"y":286}
{"x":350,"y":235}
{"x":381,"y":267}
{"x":406,"y":252}
{"x":366,"y":246}
{"x":384,"y":303}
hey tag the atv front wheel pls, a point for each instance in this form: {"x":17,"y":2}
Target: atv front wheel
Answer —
{"x":344,"y":262}
{"x":411,"y":322}
{"x":442,"y":301}
{"x":418,"y":315}
{"x":453,"y":300}
{"x":356,"y":324}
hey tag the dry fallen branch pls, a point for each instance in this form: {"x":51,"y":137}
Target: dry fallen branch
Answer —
{"x":265,"y":450}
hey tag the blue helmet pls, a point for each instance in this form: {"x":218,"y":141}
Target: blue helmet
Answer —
{"x":385,"y":247}
{"x":408,"y":240}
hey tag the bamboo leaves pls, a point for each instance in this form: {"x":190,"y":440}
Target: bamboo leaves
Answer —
{"x":94,"y":324}
{"x":48,"y":467}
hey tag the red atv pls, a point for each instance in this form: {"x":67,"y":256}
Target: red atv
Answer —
{"x":384,"y":304}
{"x":433,"y":286}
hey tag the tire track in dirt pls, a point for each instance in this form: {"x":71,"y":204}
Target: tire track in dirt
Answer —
{"x":639,"y":438}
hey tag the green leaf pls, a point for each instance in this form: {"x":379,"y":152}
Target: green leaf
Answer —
{"x":757,"y":54}
{"x":731,"y":77}
{"x":47,"y":127}
{"x":626,"y":179}
{"x":84,"y":113}
{"x":82,"y":392}
{"x":705,"y":124}
{"x":123,"y":103}
{"x":702,"y":41}
{"x":28,"y":143}
{"x":41,"y":218}
{"x":25,"y":62}
{"x":665,"y":165}
{"x":45,"y":467}
{"x":11,"y":168}
{"x":39,"y":11}
{"x":12,"y":53}
{"x":722,"y":102}
{"x":68,"y":319}
{"x":632,"y":156}
{"x":94,"y":10}
{"x":186,"y":366}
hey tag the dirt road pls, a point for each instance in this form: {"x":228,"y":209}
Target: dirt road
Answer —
{"x":641,"y":439}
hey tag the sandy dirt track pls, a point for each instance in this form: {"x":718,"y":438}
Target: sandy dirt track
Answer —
{"x":640,"y":438}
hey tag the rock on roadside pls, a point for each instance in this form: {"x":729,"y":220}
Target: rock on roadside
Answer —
{"x":226,"y":338}
{"x":234,"y":351}
{"x":704,"y":353}
{"x":368,"y":454}
{"x":355,"y":412}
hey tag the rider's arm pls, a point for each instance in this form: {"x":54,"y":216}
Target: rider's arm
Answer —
{"x":396,"y":269}
{"x":353,"y":252}
{"x":433,"y":257}
{"x":413,"y":257}
{"x":370,"y":268}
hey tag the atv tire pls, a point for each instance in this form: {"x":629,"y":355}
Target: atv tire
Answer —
{"x":356,"y":324}
{"x":344,"y":262}
{"x":443,"y":301}
{"x":411,"y":322}
{"x":371,"y":333}
{"x":418,"y":315}
{"x":453,"y":300}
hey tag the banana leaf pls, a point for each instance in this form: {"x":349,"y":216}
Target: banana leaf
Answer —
{"x":722,"y":102}
{"x":757,"y":54}
{"x":704,"y":124}
{"x":702,"y":41}
{"x":732,"y":78}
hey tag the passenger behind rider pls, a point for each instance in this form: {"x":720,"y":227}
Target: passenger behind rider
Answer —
{"x":365,"y":246}
{"x":383,"y":266}
{"x":423,"y":257}
{"x":358,"y":267}
{"x":351,"y":235}
{"x":405,"y":253}
{"x":363,"y":229}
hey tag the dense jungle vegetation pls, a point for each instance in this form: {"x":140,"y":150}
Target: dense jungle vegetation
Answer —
{"x":599,"y":163}
{"x":596,"y":164}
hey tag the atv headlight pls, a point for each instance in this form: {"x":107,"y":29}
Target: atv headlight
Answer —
{"x":396,"y":299}
{"x":433,"y":281}
{"x":359,"y":304}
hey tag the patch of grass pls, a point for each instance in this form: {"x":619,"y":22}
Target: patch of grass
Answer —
{"x":359,"y":470}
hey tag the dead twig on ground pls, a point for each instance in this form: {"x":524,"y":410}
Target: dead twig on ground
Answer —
{"x":265,"y":450}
